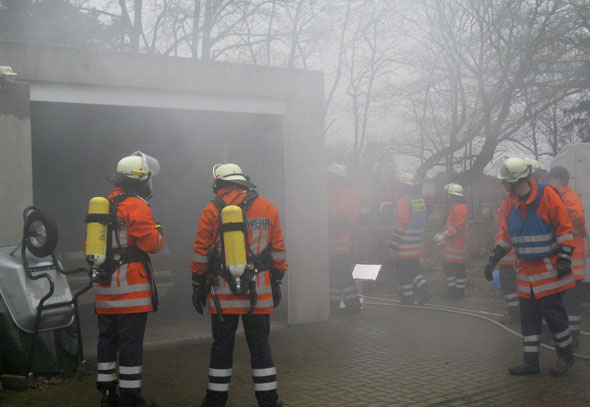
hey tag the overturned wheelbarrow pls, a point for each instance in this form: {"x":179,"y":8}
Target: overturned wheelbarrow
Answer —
{"x":36,"y":294}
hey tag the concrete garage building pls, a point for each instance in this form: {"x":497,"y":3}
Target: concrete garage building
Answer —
{"x":72,"y":113}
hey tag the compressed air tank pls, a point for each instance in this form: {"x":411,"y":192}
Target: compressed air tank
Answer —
{"x":97,"y":231}
{"x":234,"y":245}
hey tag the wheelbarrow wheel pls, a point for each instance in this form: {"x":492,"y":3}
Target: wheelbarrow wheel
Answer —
{"x":40,"y":233}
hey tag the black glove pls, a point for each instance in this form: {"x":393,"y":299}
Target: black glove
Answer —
{"x":564,"y":267}
{"x":199,"y":292}
{"x":494,"y":258}
{"x":488,"y":271}
{"x":564,"y":262}
{"x":276,"y":292}
{"x":159,"y":228}
{"x":394,"y":242}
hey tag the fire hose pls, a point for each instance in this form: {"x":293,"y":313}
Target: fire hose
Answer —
{"x":485,"y":315}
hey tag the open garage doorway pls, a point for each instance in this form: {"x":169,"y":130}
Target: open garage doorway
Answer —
{"x":75,"y":145}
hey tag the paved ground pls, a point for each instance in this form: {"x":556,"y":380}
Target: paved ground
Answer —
{"x":384,"y":356}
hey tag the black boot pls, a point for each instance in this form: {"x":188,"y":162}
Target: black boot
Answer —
{"x":561,"y":367}
{"x":424,"y":294}
{"x":136,"y":401}
{"x":108,"y":396}
{"x":524,"y":368}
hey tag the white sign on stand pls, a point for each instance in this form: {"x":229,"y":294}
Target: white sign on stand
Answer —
{"x":366,"y":271}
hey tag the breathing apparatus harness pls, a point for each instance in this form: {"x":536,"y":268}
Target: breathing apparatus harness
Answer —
{"x":256,"y":263}
{"x":118,"y":256}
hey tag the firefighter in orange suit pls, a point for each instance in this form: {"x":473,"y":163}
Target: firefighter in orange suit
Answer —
{"x":124,"y":289}
{"x":507,"y":276}
{"x":559,"y":179}
{"x":407,"y":242}
{"x":257,"y":295}
{"x":343,"y":212}
{"x":536,"y":223}
{"x":453,"y":240}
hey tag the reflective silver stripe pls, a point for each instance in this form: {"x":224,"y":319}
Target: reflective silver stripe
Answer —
{"x":129,"y":369}
{"x":269,"y":371}
{"x":510,"y":296}
{"x":574,"y":327}
{"x":504,"y":244}
{"x":410,"y":245}
{"x":265,"y":386}
{"x":412,"y":239}
{"x":551,"y":286}
{"x":535,"y":250}
{"x":417,"y":278}
{"x":277,"y":255}
{"x":137,"y":302}
{"x":450,"y":278}
{"x":562,"y":334}
{"x":532,"y":239}
{"x":130,"y":384}
{"x":408,"y":252}
{"x":218,"y":386}
{"x":408,"y":293}
{"x":106,"y":377}
{"x":220,"y":372}
{"x":564,"y":343}
{"x":531,"y":338}
{"x":241,"y":304}
{"x":512,"y":304}
{"x":106,"y":365}
{"x":575,"y":317}
{"x":122,"y":274}
{"x":531,"y":349}
{"x":420,"y":283}
{"x":563,"y":238}
{"x":460,"y":280}
{"x":578,"y":262}
{"x":536,"y":277}
{"x":197,"y":258}
{"x":451,"y":284}
{"x":133,"y":288}
{"x":407,"y":287}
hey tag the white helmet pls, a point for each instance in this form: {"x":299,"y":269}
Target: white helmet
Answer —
{"x":514,"y":169}
{"x":407,"y":179}
{"x":231,"y":173}
{"x":138,"y":166}
{"x":337,"y":169}
{"x":454,"y":189}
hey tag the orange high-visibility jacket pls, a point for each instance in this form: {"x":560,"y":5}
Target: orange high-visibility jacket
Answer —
{"x":456,"y":229}
{"x":410,"y":219}
{"x":540,"y":275}
{"x":343,"y":212}
{"x":576,"y":213}
{"x":510,"y":258}
{"x":264,"y":229}
{"x":130,"y":290}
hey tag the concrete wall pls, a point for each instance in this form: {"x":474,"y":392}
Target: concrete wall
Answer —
{"x":295,"y":95}
{"x":16,"y":188}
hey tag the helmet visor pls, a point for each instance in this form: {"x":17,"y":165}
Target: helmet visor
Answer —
{"x":149,"y":163}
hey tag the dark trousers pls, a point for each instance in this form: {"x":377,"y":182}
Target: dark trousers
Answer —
{"x":572,"y":300}
{"x":264,"y":374}
{"x":409,"y":274}
{"x":509,"y":289}
{"x":342,"y":285}
{"x":532,"y":312}
{"x":455,"y":274}
{"x":121,"y":334}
